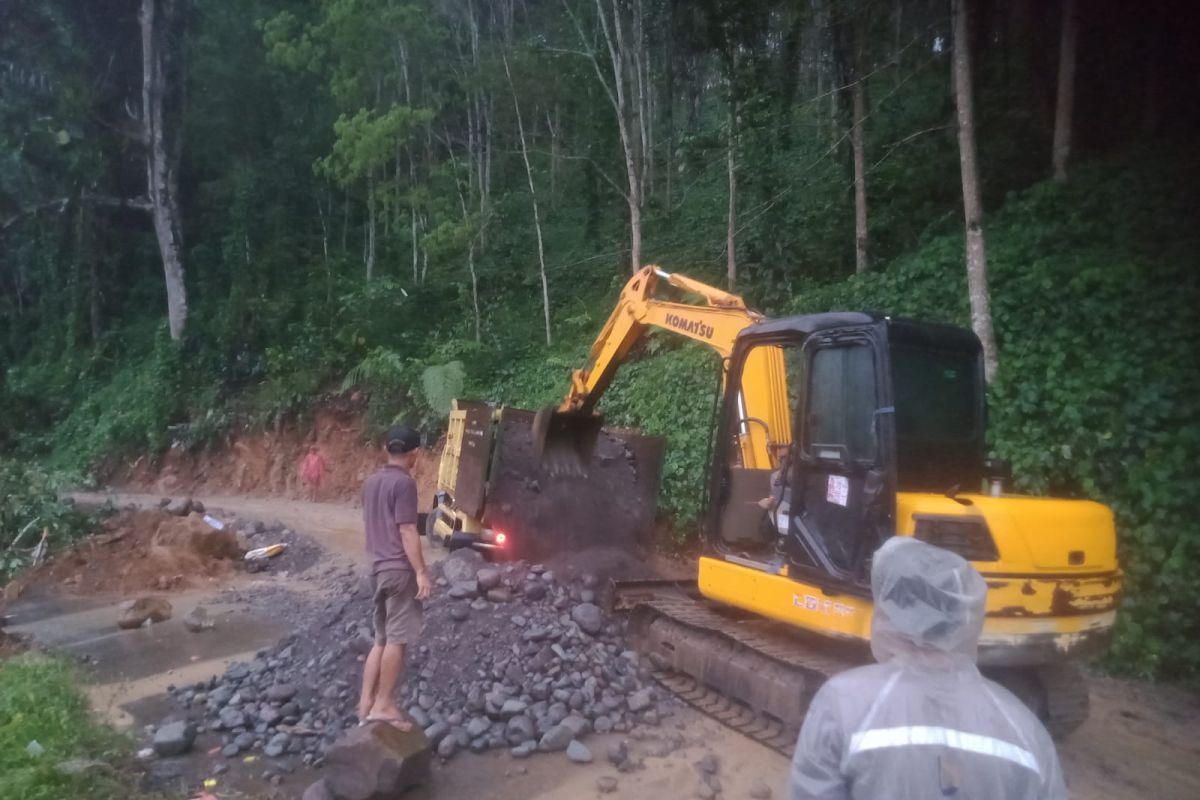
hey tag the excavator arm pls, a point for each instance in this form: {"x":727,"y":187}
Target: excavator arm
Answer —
{"x":765,"y":415}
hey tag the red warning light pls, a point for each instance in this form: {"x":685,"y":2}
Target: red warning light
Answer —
{"x":501,"y":538}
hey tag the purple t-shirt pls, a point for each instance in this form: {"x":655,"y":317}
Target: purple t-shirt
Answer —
{"x":389,"y":499}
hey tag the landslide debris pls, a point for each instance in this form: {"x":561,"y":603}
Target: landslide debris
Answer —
{"x":512,"y":657}
{"x":138,"y":551}
{"x":177,"y":546}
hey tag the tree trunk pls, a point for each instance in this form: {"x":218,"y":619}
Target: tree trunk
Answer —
{"x":537,"y":223}
{"x":614,"y":40}
{"x":321,"y":216}
{"x":552,"y":124}
{"x":977,"y":279}
{"x":474,"y":287}
{"x":466,"y":215}
{"x":858,"y":92}
{"x":160,"y":75}
{"x":94,"y":297}
{"x":1064,"y":106}
{"x":731,"y":223}
{"x":345,"y":222}
{"x":370,"y":254}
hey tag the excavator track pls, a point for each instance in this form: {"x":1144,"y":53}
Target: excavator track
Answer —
{"x":743,"y":671}
{"x":759,"y":678}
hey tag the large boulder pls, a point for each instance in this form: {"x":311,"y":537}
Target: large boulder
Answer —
{"x":461,"y":566}
{"x":557,"y":738}
{"x":180,"y":506}
{"x":376,"y":762}
{"x":588,"y":617}
{"x":143,"y":610}
{"x":489,"y":578}
{"x":197,"y":620}
{"x":174,"y":738}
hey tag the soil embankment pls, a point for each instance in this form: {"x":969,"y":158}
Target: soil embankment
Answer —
{"x":265,"y":463}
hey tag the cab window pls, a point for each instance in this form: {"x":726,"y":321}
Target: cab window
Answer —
{"x":841,"y":404}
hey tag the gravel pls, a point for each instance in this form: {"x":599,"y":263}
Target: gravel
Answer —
{"x":525,"y":667}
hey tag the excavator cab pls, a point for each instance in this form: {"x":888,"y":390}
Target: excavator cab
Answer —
{"x":868,"y":406}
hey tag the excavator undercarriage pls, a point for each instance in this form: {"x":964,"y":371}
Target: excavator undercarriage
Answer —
{"x":758,"y":676}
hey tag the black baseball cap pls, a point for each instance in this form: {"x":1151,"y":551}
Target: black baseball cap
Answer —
{"x":400,"y":439}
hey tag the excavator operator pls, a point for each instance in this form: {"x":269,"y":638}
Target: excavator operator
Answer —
{"x":923,"y":722}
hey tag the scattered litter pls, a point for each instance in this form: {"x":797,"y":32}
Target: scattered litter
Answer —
{"x":213,"y":522}
{"x":270,"y":551}
{"x":34,"y":748}
{"x":145,"y":753}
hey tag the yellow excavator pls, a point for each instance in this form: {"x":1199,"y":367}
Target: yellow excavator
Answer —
{"x":836,"y":431}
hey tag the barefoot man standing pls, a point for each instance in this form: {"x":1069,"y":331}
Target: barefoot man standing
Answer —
{"x":398,"y":577}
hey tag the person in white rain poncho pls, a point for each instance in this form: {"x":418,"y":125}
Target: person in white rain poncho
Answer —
{"x":923,"y":723}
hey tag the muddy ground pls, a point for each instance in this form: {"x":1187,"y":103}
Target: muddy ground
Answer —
{"x":1141,"y":740}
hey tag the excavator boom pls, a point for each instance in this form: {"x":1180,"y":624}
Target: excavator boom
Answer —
{"x":566,"y":434}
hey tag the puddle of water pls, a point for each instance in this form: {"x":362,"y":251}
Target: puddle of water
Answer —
{"x":129,"y":668}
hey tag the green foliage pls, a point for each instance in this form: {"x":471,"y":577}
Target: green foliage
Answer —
{"x":30,"y":504}
{"x":441,"y":383}
{"x":134,"y":408}
{"x":367,"y":141}
{"x":673,"y":394}
{"x":1093,"y":300}
{"x":40,"y":702}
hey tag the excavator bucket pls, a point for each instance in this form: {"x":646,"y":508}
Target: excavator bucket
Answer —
{"x":565,"y":440}
{"x":546,"y":513}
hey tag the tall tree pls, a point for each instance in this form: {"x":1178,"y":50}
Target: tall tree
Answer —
{"x":731,"y":220}
{"x":1065,"y":105}
{"x":858,"y":96}
{"x":163,"y":24}
{"x":977,"y":277}
{"x":537,"y":222}
{"x":622,"y":83}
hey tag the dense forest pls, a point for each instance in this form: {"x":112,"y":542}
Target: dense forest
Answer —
{"x":217,"y":214}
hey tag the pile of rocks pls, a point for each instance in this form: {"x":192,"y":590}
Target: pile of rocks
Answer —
{"x":511,"y":656}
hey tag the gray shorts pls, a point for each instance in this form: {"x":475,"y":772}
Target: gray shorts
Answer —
{"x":397,"y":609}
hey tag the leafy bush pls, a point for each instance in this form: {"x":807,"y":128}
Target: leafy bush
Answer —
{"x":29,"y":504}
{"x":40,"y":701}
{"x":133,"y":409}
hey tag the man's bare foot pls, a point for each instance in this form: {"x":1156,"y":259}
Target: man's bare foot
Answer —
{"x":392,"y":716}
{"x":399,"y":723}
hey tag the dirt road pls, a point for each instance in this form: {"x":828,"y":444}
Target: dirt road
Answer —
{"x":1141,"y":741}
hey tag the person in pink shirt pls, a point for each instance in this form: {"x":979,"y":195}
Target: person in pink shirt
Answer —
{"x":312,"y":471}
